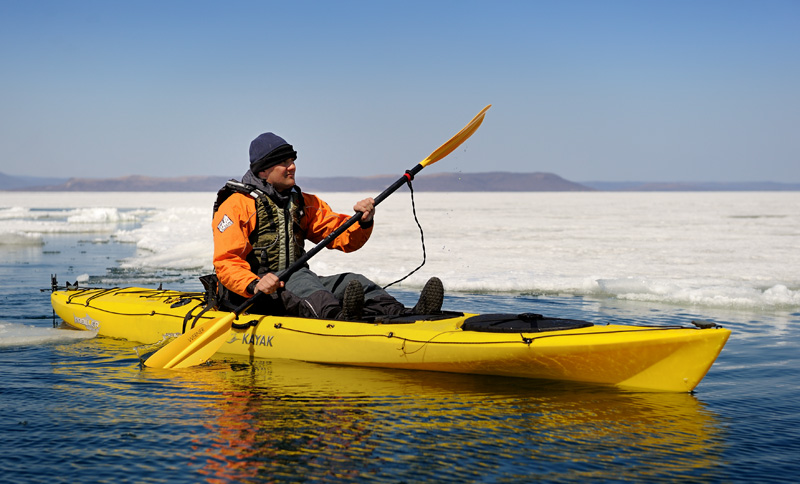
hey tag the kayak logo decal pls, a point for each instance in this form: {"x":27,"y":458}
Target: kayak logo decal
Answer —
{"x":87,"y":322}
{"x":224,"y":223}
{"x":254,"y":339}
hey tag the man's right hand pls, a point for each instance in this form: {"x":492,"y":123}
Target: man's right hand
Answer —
{"x":269,"y":284}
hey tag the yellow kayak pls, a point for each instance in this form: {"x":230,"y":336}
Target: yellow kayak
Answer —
{"x":650,"y":358}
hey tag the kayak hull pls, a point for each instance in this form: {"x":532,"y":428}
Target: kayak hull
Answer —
{"x":649,"y":358}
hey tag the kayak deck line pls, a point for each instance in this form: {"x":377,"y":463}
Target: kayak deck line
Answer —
{"x":640,"y":357}
{"x":525,"y":340}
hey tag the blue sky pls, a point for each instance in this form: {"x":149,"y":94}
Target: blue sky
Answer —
{"x":589,"y":90}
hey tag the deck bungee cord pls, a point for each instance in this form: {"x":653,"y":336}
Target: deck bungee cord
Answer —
{"x":172,"y":298}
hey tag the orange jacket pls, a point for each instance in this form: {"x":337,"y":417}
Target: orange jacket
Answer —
{"x":232,"y":243}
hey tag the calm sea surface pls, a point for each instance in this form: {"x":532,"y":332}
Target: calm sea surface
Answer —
{"x":80,"y":409}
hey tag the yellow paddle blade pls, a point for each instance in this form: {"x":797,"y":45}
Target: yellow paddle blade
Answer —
{"x":194,"y":347}
{"x":456,"y":140}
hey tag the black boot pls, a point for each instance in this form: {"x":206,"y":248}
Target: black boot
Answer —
{"x":431,"y":297}
{"x":353,"y":301}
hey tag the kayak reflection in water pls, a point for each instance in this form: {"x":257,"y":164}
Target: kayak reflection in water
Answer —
{"x":260,"y":225}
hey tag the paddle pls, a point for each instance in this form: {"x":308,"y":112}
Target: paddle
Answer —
{"x":199,"y":344}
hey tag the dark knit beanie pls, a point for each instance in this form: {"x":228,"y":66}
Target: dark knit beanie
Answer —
{"x":268,"y":150}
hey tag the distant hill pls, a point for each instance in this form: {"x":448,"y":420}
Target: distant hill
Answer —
{"x":441,"y":182}
{"x":134,"y":183}
{"x":435,"y":182}
{"x":450,"y":182}
{"x":10,"y":182}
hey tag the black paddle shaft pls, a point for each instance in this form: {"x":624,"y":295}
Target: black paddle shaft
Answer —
{"x":299,"y":263}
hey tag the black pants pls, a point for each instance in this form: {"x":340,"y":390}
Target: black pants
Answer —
{"x":308,"y":295}
{"x":311,"y":296}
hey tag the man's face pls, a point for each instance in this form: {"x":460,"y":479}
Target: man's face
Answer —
{"x":280,"y":176}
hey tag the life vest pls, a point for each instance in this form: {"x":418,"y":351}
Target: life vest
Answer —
{"x":278,"y":238}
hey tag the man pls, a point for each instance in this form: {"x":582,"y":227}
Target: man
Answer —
{"x":260,"y":226}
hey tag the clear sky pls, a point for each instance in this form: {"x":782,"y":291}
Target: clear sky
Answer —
{"x":639,"y":90}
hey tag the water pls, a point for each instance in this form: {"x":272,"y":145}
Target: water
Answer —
{"x":76,"y":408}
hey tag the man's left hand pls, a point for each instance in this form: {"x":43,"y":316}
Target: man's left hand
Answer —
{"x":367,"y":207}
